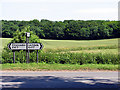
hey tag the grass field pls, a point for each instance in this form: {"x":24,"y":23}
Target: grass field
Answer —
{"x":53,"y":44}
{"x":75,"y":46}
{"x":106,"y":46}
{"x":57,"y":67}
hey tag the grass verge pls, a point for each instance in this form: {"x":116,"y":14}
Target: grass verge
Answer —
{"x":58,"y":67}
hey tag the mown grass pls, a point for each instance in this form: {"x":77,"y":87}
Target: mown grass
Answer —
{"x":4,"y":42}
{"x":103,"y":51}
{"x":57,"y":67}
{"x":58,"y":44}
{"x":73,"y":44}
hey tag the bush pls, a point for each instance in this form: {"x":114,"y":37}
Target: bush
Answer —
{"x":63,"y":58}
{"x":19,"y":37}
{"x":79,"y":58}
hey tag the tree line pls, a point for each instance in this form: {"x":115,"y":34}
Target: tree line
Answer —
{"x":67,"y":29}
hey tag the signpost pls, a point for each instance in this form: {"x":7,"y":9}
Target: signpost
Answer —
{"x":22,"y":46}
{"x":13,"y":56}
{"x":27,"y":51}
{"x":25,"y":46}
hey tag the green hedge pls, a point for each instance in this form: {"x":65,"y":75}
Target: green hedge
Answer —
{"x":79,"y":58}
{"x":63,"y":58}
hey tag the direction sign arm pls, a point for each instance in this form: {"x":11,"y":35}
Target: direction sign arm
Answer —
{"x":9,"y":45}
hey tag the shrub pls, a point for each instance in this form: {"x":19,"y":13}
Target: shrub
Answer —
{"x":79,"y":58}
{"x":19,"y":37}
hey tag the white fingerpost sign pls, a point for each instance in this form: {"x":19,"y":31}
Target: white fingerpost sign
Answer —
{"x":25,"y":46}
{"x":22,"y":46}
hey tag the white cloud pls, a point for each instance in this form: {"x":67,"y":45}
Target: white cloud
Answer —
{"x":97,"y":10}
{"x":62,"y":1}
{"x":59,"y":9}
{"x":0,"y":11}
{"x":43,"y":9}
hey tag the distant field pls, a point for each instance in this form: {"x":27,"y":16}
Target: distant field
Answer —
{"x":4,"y":41}
{"x":53,"y":44}
{"x":109,"y":45}
{"x":75,"y":46}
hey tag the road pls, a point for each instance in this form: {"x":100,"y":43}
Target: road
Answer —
{"x":59,"y":79}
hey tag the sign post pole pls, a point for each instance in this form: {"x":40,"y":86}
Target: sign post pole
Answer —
{"x":13,"y":56}
{"x":26,"y":49}
{"x":37,"y":56}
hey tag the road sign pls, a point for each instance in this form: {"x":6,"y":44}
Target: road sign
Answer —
{"x":22,"y":46}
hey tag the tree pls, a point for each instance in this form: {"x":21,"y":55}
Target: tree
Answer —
{"x":84,"y":33}
{"x":19,"y":37}
{"x":68,"y":29}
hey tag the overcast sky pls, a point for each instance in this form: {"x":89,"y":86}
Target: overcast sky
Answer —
{"x":59,"y":10}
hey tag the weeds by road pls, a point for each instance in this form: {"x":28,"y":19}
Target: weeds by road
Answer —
{"x":57,"y":67}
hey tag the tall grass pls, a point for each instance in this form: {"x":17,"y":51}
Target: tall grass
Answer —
{"x":79,"y":58}
{"x":64,"y":58}
{"x":82,"y":48}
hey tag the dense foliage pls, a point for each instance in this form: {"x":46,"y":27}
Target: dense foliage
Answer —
{"x":19,"y":37}
{"x":67,"y":29}
{"x":63,"y":58}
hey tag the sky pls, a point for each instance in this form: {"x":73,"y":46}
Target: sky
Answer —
{"x":59,"y":10}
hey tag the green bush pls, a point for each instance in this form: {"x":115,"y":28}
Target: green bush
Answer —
{"x":63,"y":58}
{"x":19,"y":37}
{"x":79,"y":58}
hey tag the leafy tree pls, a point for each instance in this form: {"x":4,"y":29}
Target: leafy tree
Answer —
{"x":19,"y":37}
{"x":68,"y":29}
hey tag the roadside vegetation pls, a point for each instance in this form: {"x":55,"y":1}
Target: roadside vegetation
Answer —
{"x":63,"y":54}
{"x":98,"y":55}
{"x":58,"y":67}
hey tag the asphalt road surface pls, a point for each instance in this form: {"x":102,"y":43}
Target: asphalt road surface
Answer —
{"x":59,"y":79}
